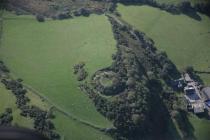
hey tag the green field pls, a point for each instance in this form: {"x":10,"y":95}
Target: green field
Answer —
{"x":76,"y":131}
{"x":179,"y":1}
{"x":43,"y":55}
{"x":185,"y":40}
{"x":7,"y":100}
{"x":201,"y":127}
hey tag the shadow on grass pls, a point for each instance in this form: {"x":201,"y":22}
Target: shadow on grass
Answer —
{"x":202,"y":72}
{"x":162,"y":125}
{"x":192,"y":13}
{"x":184,"y":125}
{"x":204,"y":115}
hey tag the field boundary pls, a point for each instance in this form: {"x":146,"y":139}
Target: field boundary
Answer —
{"x":1,"y":26}
{"x":59,"y":109}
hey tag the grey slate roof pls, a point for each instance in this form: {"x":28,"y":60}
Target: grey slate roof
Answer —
{"x":206,"y":93}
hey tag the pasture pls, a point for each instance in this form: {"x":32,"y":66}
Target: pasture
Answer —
{"x":74,"y":130}
{"x":179,"y":1}
{"x":201,"y":127}
{"x":43,"y":55}
{"x":185,"y":40}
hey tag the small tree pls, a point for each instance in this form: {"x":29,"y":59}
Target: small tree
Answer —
{"x":185,"y":6}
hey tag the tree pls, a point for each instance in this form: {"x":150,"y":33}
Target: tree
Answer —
{"x":3,"y":3}
{"x":189,"y":69}
{"x":85,"y":12}
{"x":185,"y":6}
{"x":40,"y":18}
{"x":136,"y":119}
{"x":64,"y":15}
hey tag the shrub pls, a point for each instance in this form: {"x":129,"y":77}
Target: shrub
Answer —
{"x":64,"y":15}
{"x":189,"y":69}
{"x":40,"y":18}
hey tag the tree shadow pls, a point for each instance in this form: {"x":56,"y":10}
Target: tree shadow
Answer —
{"x":184,"y":125}
{"x":193,"y":14}
{"x":162,"y":125}
{"x":202,"y":72}
{"x":204,"y":115}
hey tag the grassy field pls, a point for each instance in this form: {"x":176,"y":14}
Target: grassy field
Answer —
{"x":179,"y":1}
{"x":73,"y":130}
{"x":201,"y":128}
{"x":43,"y":55}
{"x":185,"y":40}
{"x":7,"y":100}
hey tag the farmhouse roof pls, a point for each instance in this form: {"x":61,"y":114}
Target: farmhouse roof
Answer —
{"x":206,"y":93}
{"x":187,"y":78}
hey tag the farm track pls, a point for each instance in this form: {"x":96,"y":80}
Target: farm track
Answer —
{"x":59,"y":109}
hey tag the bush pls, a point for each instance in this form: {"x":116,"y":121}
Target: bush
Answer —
{"x":85,"y":12}
{"x":185,"y":6}
{"x":40,"y":18}
{"x":64,"y":15}
{"x":82,"y":12}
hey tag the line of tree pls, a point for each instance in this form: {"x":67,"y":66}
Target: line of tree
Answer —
{"x":42,"y":119}
{"x":80,"y":72}
{"x":6,"y":117}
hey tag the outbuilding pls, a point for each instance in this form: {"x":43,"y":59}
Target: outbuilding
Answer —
{"x":187,"y":78}
{"x":206,"y":95}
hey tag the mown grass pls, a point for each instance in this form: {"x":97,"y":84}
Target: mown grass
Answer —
{"x":7,"y":100}
{"x":75,"y":130}
{"x":35,"y":100}
{"x":43,"y":55}
{"x":185,"y":40}
{"x":179,"y":1}
{"x":201,"y":127}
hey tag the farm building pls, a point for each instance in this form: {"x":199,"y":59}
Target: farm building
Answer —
{"x":198,"y":107}
{"x":206,"y":95}
{"x":178,"y":83}
{"x":192,"y":95}
{"x":187,"y":78}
